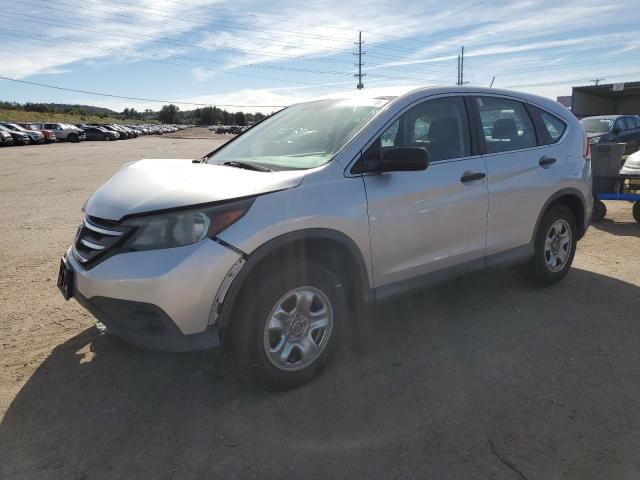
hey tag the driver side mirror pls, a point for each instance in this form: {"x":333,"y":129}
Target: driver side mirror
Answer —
{"x":615,"y":130}
{"x":397,"y":159}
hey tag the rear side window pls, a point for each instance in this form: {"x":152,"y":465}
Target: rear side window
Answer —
{"x":552,"y":127}
{"x":505,"y":124}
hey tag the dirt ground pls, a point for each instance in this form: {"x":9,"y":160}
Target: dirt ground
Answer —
{"x":483,"y":378}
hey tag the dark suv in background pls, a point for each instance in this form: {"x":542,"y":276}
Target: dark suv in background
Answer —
{"x":614,"y":128}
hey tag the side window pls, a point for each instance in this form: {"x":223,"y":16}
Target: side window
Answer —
{"x":629,"y":124}
{"x":553,"y":127}
{"x":619,"y":124}
{"x":440,"y":126}
{"x":506,"y":124}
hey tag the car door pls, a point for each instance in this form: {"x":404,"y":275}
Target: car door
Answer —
{"x":522,"y":175}
{"x":425,"y":221}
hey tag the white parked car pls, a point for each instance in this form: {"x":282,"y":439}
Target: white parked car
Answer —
{"x":64,"y":131}
{"x":631,"y":165}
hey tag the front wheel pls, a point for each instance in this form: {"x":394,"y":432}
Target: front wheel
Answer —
{"x":555,"y":247}
{"x":287,"y":331}
{"x":73,"y":138}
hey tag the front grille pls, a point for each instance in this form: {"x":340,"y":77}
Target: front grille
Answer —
{"x":95,"y":238}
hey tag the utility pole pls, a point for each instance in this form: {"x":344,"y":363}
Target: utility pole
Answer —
{"x":461,"y":66}
{"x":359,"y":75}
{"x":458,"y":80}
{"x":597,"y":80}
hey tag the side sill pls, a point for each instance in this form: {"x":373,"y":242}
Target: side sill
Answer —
{"x":512,"y":257}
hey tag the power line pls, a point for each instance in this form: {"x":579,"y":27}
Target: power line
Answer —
{"x":102,"y":94}
{"x":43,"y":37}
{"x":126,"y":20}
{"x":545,"y":68}
{"x":170,"y":21}
{"x":545,"y":84}
{"x":162,"y":55}
{"x":75,"y":26}
{"x":286,"y":19}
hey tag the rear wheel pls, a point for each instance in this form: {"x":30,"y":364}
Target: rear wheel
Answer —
{"x":599,"y":210}
{"x":286,"y":332}
{"x":555,"y":246}
{"x":636,"y":211}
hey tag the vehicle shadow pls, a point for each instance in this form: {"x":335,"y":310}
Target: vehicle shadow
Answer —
{"x":469,"y":380}
{"x":621,"y":229}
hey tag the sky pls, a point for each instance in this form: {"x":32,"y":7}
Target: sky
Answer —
{"x":257,"y":56}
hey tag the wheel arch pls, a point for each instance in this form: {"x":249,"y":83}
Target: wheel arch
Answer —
{"x":574,"y":200}
{"x":326,"y":246}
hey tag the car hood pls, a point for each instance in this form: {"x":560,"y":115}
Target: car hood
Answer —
{"x":150,"y":185}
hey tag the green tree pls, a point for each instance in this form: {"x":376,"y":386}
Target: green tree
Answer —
{"x":205,"y":116}
{"x":168,"y":114}
{"x":239,"y":119}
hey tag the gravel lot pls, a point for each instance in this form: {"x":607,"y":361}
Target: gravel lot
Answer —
{"x":484,"y":378}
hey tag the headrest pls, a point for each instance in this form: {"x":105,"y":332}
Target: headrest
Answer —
{"x":504,"y":128}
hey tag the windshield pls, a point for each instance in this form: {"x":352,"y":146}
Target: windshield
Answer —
{"x":302,"y":136}
{"x":597,"y":125}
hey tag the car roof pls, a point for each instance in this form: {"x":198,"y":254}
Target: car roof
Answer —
{"x":410,"y":94}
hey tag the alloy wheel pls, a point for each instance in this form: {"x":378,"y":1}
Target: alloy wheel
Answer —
{"x":298,"y":328}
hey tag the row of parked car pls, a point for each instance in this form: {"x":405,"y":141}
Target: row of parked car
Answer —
{"x":222,"y":129}
{"x":36,"y":133}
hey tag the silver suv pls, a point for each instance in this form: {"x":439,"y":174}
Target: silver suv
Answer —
{"x":272,"y":242}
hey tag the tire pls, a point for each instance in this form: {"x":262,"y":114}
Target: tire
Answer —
{"x":555,"y":247}
{"x":636,"y":211}
{"x":279,"y":302}
{"x":73,"y":138}
{"x":599,"y":211}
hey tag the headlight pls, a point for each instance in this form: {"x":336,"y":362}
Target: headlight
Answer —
{"x":183,"y":227}
{"x":594,"y":139}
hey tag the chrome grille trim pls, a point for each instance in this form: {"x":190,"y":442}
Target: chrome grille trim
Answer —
{"x":92,"y":246}
{"x":96,"y":238}
{"x":102,"y":231}
{"x":78,"y":256}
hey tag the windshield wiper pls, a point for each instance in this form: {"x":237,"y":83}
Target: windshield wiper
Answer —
{"x":247,"y":166}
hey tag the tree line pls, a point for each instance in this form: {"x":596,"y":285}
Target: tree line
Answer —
{"x":169,"y":114}
{"x":207,"y":116}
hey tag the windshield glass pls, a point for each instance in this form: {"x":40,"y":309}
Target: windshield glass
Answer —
{"x":597,"y":125}
{"x":302,"y":136}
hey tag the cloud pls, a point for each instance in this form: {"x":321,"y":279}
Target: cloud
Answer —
{"x":276,"y":52}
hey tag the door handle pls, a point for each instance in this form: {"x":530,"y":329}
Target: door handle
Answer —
{"x":547,"y":161}
{"x":471,"y":176}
